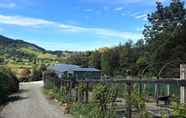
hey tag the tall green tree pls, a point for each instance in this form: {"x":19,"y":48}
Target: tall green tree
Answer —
{"x":165,"y":34}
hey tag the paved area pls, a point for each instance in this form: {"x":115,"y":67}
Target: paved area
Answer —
{"x":31,"y":103}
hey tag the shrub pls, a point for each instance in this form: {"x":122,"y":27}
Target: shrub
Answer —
{"x":37,"y":71}
{"x":179,"y":110}
{"x":101,"y":105}
{"x":24,"y":74}
{"x":3,"y":87}
{"x":8,"y":83}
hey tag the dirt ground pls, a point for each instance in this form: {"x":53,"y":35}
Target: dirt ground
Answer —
{"x":31,"y":103}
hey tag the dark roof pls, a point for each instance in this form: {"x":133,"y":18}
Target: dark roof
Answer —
{"x":60,"y":68}
{"x":86,"y":69}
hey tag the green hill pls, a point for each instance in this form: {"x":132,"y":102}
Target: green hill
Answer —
{"x":19,"y":55}
{"x":18,"y":49}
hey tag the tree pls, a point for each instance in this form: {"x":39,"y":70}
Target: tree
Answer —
{"x":37,"y":71}
{"x":24,"y":74}
{"x":95,"y":59}
{"x":166,"y":32}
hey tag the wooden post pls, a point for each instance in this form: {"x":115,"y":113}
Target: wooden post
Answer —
{"x":61,"y":86}
{"x":86,"y":94}
{"x":76,"y":90}
{"x":129,"y":109}
{"x":44,"y":79}
{"x":157,"y":88}
{"x":183,"y":89}
{"x":140,"y":87}
{"x":144,"y":88}
{"x":70,"y":89}
{"x":168,"y":89}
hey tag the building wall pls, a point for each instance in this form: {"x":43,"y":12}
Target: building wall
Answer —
{"x":87,"y":75}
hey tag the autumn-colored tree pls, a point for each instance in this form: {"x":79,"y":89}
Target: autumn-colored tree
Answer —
{"x":25,"y":74}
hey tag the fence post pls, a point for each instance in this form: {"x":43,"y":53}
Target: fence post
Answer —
{"x":76,"y":90}
{"x":86,"y":94}
{"x":44,"y":79}
{"x":183,"y":89}
{"x":168,"y":89}
{"x":129,"y":109}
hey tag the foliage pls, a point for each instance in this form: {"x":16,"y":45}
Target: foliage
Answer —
{"x":3,"y":87}
{"x":179,"y":110}
{"x":25,"y":74}
{"x":37,"y":71}
{"x":83,"y":110}
{"x":112,"y":61}
{"x":101,"y":105}
{"x":54,"y":93}
{"x":138,"y":102}
{"x":165,"y":33}
{"x":8,"y":83}
{"x":104,"y":97}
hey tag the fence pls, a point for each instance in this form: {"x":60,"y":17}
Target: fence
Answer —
{"x":84,"y":97}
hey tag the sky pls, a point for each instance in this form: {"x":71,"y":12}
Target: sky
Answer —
{"x":75,"y":25}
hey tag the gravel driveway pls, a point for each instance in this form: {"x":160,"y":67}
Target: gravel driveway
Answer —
{"x":31,"y":103}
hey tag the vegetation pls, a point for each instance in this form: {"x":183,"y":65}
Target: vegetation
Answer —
{"x":23,"y":57}
{"x":179,"y":110}
{"x":164,"y":41}
{"x":8,"y":83}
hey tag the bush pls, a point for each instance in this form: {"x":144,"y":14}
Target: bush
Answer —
{"x":37,"y":71}
{"x":24,"y":74}
{"x":8,"y":83}
{"x":179,"y":110}
{"x":101,"y":105}
{"x":3,"y":87}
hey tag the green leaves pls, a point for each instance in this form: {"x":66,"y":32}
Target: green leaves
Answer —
{"x":8,"y":83}
{"x":165,"y":32}
{"x":179,"y":110}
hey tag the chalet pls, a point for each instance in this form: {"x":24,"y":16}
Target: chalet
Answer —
{"x":74,"y":71}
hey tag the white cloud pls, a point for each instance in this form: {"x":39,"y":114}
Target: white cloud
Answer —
{"x":118,"y":9}
{"x":23,"y":21}
{"x":88,"y":10}
{"x":142,"y":16}
{"x":71,"y":28}
{"x":100,"y":31}
{"x":7,"y":5}
{"x":139,"y":15}
{"x":29,"y":22}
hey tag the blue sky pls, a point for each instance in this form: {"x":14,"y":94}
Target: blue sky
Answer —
{"x":75,"y":25}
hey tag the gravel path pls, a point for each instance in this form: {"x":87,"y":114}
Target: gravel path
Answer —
{"x":31,"y":103}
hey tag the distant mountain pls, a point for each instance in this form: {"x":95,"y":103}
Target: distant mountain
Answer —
{"x":19,"y":49}
{"x":5,"y":41}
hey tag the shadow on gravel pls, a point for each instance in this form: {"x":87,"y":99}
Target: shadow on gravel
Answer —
{"x":15,"y":98}
{"x":10,"y":99}
{"x":23,"y":91}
